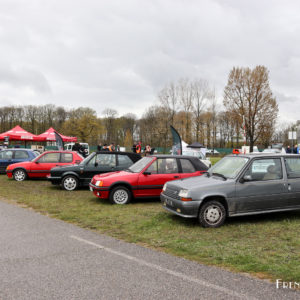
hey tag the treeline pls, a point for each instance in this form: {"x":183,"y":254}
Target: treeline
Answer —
{"x":189,"y":105}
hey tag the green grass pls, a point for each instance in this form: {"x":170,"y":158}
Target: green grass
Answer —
{"x":267,"y":246}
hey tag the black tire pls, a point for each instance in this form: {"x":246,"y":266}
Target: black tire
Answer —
{"x":69,"y":183}
{"x":19,"y":175}
{"x":212,"y":214}
{"x":120,"y":195}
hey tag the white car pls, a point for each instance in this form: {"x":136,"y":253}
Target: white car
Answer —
{"x":212,"y":151}
{"x":198,"y":154}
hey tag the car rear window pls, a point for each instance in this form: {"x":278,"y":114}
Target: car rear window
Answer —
{"x":187,"y":166}
{"x":292,"y":167}
{"x":66,"y":157}
{"x":124,"y":161}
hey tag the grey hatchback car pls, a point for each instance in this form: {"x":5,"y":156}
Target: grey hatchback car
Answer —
{"x":235,"y":186}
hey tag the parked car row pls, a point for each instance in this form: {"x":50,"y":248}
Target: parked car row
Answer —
{"x":237,"y":185}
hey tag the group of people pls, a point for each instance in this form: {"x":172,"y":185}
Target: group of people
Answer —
{"x":110,"y":147}
{"x":294,"y":150}
{"x":137,"y":148}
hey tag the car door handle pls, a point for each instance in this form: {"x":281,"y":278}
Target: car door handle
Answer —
{"x":176,"y":176}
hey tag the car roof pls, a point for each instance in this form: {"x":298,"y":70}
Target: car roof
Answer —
{"x":173,"y":156}
{"x":265,"y":154}
{"x":17,"y":149}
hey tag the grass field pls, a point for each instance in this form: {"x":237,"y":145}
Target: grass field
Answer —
{"x":267,"y":246}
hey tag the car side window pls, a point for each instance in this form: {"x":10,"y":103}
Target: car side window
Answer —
{"x":167,"y":166}
{"x":21,"y":154}
{"x":153,"y":167}
{"x":50,"y":158}
{"x":124,"y":161}
{"x":107,"y":160}
{"x":66,"y":157}
{"x":7,"y":154}
{"x":187,"y":166}
{"x":292,"y":166}
{"x":265,"y":169}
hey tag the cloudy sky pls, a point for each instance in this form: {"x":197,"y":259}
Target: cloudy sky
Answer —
{"x":120,"y":53}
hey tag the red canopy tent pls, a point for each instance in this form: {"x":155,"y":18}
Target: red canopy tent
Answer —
{"x":50,"y":136}
{"x":19,"y":134}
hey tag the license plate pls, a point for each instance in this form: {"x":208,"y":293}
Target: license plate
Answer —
{"x":169,"y":202}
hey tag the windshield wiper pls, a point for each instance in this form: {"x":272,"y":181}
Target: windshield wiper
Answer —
{"x":128,"y":170}
{"x":220,"y":175}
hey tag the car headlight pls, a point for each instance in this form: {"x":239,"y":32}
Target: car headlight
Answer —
{"x":165,"y":187}
{"x":183,"y":193}
{"x":99,"y":183}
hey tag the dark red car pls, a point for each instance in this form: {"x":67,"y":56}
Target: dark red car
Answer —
{"x":41,"y":166}
{"x":145,"y":178}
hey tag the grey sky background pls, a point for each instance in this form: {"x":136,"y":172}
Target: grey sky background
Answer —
{"x":120,"y":53}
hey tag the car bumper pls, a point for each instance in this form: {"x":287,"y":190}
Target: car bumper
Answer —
{"x":54,"y":180}
{"x":99,"y":191}
{"x":185,"y":209}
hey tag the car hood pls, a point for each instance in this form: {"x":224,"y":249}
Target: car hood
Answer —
{"x":200,"y":183}
{"x":115,"y":175}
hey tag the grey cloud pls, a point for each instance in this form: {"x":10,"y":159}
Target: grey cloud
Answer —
{"x":123,"y":52}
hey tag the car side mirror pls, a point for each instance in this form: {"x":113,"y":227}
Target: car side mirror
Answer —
{"x":246,"y":178}
{"x":147,"y":173}
{"x":37,"y":162}
{"x":77,"y":162}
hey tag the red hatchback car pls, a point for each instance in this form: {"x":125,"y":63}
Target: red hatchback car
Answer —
{"x":145,"y":178}
{"x":41,"y":165}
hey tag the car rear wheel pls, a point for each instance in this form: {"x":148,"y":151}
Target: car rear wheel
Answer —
{"x":70,"y":183}
{"x":19,"y":175}
{"x":212,"y":214}
{"x":120,"y":195}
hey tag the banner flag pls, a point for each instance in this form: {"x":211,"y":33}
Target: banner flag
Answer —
{"x":177,"y":146}
{"x":59,"y":141}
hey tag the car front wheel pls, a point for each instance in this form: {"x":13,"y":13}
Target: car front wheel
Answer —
{"x":120,"y":195}
{"x":70,"y":183}
{"x":212,"y":214}
{"x":19,"y":175}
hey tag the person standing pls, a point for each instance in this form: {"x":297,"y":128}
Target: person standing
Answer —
{"x":147,"y":150}
{"x":99,"y":147}
{"x":134,"y":148}
{"x":295,"y":149}
{"x":111,"y":147}
{"x":139,"y":147}
{"x":105,"y":148}
{"x":288,"y":150}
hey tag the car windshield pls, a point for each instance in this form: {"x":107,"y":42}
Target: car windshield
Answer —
{"x":229,"y":166}
{"x":140,"y":165}
{"x":86,"y":160}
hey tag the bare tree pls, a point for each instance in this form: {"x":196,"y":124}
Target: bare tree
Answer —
{"x":201,"y":92}
{"x":248,"y":94}
{"x":108,"y":121}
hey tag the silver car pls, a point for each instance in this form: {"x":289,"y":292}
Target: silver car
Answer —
{"x":235,"y":186}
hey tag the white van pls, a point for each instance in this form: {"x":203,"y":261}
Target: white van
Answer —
{"x":85,"y":146}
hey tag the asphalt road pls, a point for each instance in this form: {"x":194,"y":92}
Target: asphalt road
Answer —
{"x":44,"y":258}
